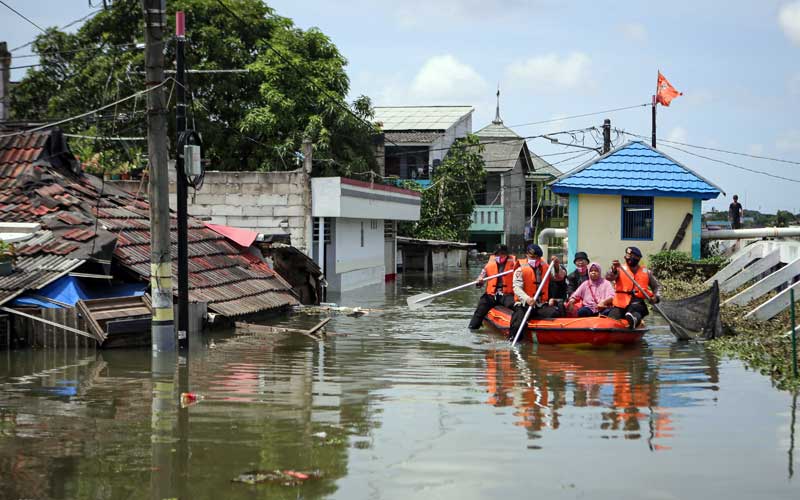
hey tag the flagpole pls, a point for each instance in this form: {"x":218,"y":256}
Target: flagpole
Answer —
{"x":654,"y":122}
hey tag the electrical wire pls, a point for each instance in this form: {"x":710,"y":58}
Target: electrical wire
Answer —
{"x":88,"y":113}
{"x":60,"y":28}
{"x":760,"y":172}
{"x":748,"y":155}
{"x":23,"y":16}
{"x":581,"y":115}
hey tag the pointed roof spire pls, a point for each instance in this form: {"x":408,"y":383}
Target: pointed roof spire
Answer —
{"x":497,"y":120}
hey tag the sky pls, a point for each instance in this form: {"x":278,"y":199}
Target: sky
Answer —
{"x":737,"y":63}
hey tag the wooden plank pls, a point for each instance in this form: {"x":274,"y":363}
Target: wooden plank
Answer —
{"x":47,"y":322}
{"x":775,"y":305}
{"x":749,"y":254}
{"x":319,"y":326}
{"x":681,"y":232}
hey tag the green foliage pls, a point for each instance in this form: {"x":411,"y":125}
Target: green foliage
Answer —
{"x":677,"y":264}
{"x":249,"y":121}
{"x":447,"y":204}
{"x":7,"y":252}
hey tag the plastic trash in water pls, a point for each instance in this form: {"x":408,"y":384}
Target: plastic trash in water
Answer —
{"x":190,"y":398}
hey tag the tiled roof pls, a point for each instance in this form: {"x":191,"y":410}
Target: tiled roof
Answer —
{"x":501,"y":155}
{"x":419,"y":117}
{"x":635,"y":169}
{"x":80,"y":215}
{"x":412,"y":137}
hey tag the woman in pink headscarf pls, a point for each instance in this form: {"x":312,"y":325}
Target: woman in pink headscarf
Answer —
{"x":596,"y":294}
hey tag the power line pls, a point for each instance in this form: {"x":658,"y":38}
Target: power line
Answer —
{"x":82,"y":115}
{"x":748,"y":155}
{"x":60,"y":28}
{"x":761,"y":172}
{"x":581,"y":116}
{"x":82,"y":49}
{"x":335,"y":100}
{"x":23,"y":16}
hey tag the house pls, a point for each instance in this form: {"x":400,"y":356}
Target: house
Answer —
{"x":634,"y":195}
{"x":516,"y":191}
{"x":82,"y":225}
{"x":355,"y":241}
{"x":416,"y":138}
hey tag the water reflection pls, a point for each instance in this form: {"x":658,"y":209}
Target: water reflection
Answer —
{"x":635,"y":389}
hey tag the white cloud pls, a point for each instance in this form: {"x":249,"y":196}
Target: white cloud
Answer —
{"x":635,"y":32}
{"x":551,"y":72}
{"x":678,"y":134}
{"x":441,"y":80}
{"x":444,"y":78}
{"x":789,"y":19}
{"x":788,"y":141}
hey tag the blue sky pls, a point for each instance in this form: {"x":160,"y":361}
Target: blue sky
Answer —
{"x":737,"y":62}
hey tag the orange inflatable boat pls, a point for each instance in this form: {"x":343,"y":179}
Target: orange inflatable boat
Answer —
{"x":597,"y":331}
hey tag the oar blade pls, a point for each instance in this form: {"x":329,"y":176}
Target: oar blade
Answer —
{"x":419,"y":301}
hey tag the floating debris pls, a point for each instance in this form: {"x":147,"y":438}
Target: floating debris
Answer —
{"x":284,"y":477}
{"x":322,"y":435}
{"x":190,"y":398}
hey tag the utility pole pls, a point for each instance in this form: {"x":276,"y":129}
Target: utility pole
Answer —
{"x":5,"y":81}
{"x":654,"y":122}
{"x":163,"y":328}
{"x":182,"y":183}
{"x":606,"y":135}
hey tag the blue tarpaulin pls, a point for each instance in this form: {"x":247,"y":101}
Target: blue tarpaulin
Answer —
{"x":69,"y":290}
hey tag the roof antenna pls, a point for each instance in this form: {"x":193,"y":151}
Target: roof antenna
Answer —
{"x":497,"y":120}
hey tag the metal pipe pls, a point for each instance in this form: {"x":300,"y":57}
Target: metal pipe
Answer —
{"x":549,"y":233}
{"x":760,"y":232}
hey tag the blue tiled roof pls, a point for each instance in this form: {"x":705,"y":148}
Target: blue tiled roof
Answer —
{"x":636,"y":169}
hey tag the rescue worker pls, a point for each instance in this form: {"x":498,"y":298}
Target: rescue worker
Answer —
{"x":629,"y":302}
{"x":527,"y":278}
{"x":499,"y":291}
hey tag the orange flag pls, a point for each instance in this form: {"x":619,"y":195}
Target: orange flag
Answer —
{"x":665,"y":92}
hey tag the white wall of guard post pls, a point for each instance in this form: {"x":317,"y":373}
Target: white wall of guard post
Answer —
{"x":321,"y":243}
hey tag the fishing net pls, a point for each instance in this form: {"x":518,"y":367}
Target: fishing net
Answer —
{"x":698,"y":313}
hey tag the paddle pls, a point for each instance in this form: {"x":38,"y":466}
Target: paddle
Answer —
{"x":677,"y":330}
{"x":530,"y":308}
{"x":421,"y":300}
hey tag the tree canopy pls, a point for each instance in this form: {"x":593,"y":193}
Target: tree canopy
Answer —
{"x":295,"y":86}
{"x":448,"y":202}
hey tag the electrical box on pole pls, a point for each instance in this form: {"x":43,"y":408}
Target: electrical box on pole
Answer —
{"x":192,"y":163}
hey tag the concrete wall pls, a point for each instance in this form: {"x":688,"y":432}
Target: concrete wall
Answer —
{"x":600,"y":228}
{"x":267,"y":202}
{"x":350,"y":265}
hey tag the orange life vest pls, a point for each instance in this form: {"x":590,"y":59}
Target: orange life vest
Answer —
{"x":492,"y":268}
{"x":530,"y":282}
{"x":625,"y":288}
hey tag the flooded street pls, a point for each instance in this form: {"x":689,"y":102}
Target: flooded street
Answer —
{"x":401,"y":404}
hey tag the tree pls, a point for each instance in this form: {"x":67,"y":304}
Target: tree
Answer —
{"x":249,"y":121}
{"x":447,"y":204}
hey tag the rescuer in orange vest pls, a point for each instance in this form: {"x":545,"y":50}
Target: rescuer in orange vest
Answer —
{"x":527,"y":278}
{"x":629,"y":302}
{"x":499,"y":291}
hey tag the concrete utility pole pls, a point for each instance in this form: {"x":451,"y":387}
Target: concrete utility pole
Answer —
{"x":163,"y":328}
{"x":654,"y":122}
{"x":606,"y":135}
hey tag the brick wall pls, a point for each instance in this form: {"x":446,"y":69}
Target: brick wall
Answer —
{"x":267,"y":202}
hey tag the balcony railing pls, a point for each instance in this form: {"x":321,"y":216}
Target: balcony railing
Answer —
{"x":487,"y":218}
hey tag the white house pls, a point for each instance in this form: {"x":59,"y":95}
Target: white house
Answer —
{"x":416,"y":138}
{"x":355,"y":229}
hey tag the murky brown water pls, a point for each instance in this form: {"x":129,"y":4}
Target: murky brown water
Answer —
{"x":408,"y":404}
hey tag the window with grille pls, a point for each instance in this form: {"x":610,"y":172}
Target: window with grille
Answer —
{"x":327,"y":229}
{"x":637,"y":217}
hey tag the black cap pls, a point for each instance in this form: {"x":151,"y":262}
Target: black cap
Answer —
{"x":535,"y":250}
{"x":580,"y":255}
{"x":634,"y":251}
{"x":501,"y":249}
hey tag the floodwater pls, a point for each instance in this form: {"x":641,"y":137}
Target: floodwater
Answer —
{"x":401,"y":404}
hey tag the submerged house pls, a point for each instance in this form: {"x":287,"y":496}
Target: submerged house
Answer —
{"x":634,"y":195}
{"x":416,"y":138}
{"x":79,"y":225}
{"x":516,"y":190}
